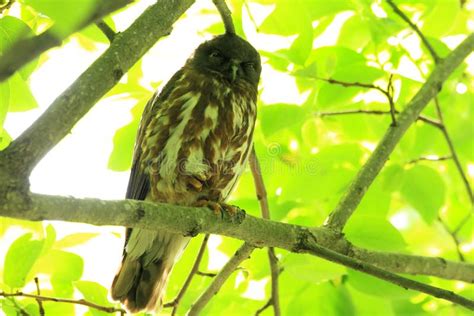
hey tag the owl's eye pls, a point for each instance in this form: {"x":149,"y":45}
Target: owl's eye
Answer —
{"x":249,"y":66}
{"x":215,"y":54}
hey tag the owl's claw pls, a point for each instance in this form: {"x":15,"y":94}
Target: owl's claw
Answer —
{"x":196,"y":182}
{"x":218,"y":208}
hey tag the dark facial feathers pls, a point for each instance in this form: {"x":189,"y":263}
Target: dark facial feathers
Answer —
{"x":229,"y":57}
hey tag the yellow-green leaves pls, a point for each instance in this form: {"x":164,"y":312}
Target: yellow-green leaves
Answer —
{"x":424,"y":189}
{"x":19,"y":260}
{"x":67,"y":15}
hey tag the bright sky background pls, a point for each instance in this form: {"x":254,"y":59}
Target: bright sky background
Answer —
{"x":78,"y":165}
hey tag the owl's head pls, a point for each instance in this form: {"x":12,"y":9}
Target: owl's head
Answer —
{"x":230,"y":56}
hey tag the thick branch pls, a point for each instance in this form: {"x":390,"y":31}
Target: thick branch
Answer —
{"x":28,"y":49}
{"x":351,"y":199}
{"x":241,"y":254}
{"x":191,"y":221}
{"x":127,"y":48}
{"x":406,"y":283}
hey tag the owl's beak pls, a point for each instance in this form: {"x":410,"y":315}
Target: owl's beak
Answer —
{"x":233,"y":70}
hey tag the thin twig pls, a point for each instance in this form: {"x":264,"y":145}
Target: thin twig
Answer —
{"x":191,"y":275}
{"x":106,"y":29}
{"x":226,"y":16}
{"x":38,"y":292}
{"x":390,"y":277}
{"x":462,"y":223}
{"x":206,"y":274}
{"x":265,"y":209}
{"x":388,"y":92}
{"x":241,"y":254}
{"x":454,"y":237}
{"x":434,"y":159}
{"x":252,"y":19}
{"x":264,"y":307}
{"x":455,"y":156}
{"x":83,"y":302}
{"x":376,"y":112}
{"x":415,"y":28}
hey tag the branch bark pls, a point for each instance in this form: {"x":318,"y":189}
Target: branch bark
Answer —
{"x":192,"y":221}
{"x":28,"y":49}
{"x":127,"y":48}
{"x":347,"y":205}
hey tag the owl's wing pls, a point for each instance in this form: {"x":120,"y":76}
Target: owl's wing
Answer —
{"x":139,"y":181}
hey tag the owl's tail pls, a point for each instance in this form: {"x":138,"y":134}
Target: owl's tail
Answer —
{"x":148,"y":259}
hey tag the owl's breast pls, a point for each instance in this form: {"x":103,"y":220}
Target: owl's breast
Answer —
{"x":200,"y":131}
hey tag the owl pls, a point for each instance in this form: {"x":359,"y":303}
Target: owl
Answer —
{"x":192,"y":145}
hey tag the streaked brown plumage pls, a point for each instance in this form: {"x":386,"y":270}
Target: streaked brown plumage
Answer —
{"x":192,"y":146}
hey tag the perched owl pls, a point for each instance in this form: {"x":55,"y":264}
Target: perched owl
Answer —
{"x":192,"y":145}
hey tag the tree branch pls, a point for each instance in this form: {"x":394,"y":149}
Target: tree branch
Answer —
{"x":226,"y":16}
{"x":28,"y":49}
{"x":377,"y":112}
{"x":262,"y":198}
{"x":391,"y":277}
{"x":350,"y":201}
{"x":415,"y":28}
{"x":40,"y":302}
{"x":454,"y":155}
{"x":106,"y":30}
{"x":127,"y":48}
{"x":191,"y":221}
{"x":83,"y":302}
{"x":241,"y":254}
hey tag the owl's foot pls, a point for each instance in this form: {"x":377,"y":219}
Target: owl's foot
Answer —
{"x":218,"y":208}
{"x":196,"y":182}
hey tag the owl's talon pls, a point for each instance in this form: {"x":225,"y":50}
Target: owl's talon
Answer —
{"x":213,"y":206}
{"x":195,"y":184}
{"x":218,"y":208}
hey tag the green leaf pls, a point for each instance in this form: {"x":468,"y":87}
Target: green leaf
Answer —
{"x":301,"y":47}
{"x":289,"y":17}
{"x":21,"y":98}
{"x":95,"y":293}
{"x":11,"y":31}
{"x":335,"y":300}
{"x":311,"y":269}
{"x":440,"y":20}
{"x":425,"y":190}
{"x":67,"y":15}
{"x":373,"y":286}
{"x":4,"y":102}
{"x":280,"y":116}
{"x":124,"y":139}
{"x":20,"y":258}
{"x":62,"y":265}
{"x":373,"y":233}
{"x":5,"y":139}
{"x":355,"y":33}
{"x":74,"y":240}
